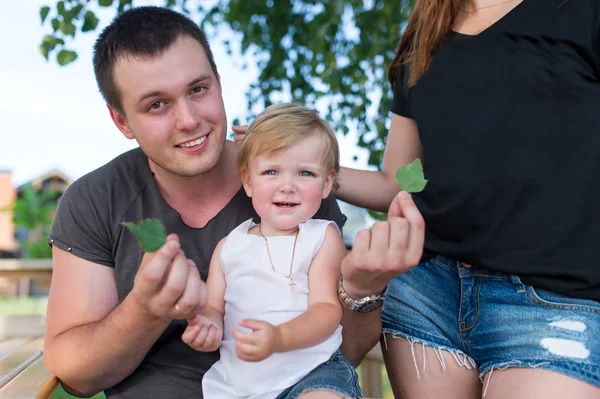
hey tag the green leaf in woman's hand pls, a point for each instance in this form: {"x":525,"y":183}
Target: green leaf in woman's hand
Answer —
{"x":411,"y":178}
{"x":149,"y":233}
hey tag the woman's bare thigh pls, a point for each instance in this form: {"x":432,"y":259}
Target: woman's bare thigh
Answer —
{"x":421,"y":372}
{"x":535,"y":384}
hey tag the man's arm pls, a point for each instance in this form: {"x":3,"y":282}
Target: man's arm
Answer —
{"x":360,"y":334}
{"x":379,"y":254}
{"x":92,"y":342}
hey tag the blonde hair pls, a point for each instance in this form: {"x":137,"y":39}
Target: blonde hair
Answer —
{"x":279,"y":127}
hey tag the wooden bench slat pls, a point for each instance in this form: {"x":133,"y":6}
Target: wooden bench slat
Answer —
{"x":25,"y":264}
{"x":34,"y":382}
{"x":17,"y":268}
{"x":375,"y":354}
{"x":16,"y":361}
{"x":8,"y":345}
{"x":371,"y":379}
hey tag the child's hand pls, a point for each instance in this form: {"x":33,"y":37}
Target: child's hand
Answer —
{"x":259,"y":344}
{"x":202,"y":334}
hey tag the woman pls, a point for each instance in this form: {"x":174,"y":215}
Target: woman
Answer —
{"x":500,"y":98}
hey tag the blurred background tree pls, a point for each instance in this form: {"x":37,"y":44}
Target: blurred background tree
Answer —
{"x":33,"y":212}
{"x":332,"y":54}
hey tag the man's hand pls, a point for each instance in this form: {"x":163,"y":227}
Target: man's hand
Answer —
{"x":202,"y":334}
{"x":259,"y":344}
{"x":168,"y":285}
{"x":386,"y":250}
{"x":240,"y":133}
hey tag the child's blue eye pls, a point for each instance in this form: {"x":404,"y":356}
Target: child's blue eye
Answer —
{"x":270,"y":173}
{"x":305,"y":174}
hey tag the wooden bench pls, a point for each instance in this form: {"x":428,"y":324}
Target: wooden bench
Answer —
{"x":371,"y":380}
{"x":21,"y":271}
{"x":22,"y":371}
{"x":33,"y":268}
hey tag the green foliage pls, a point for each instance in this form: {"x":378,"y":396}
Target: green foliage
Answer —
{"x":34,"y":212}
{"x":90,"y":22}
{"x":411,"y":178}
{"x":68,"y":17}
{"x":333,"y":53}
{"x":65,"y":57}
{"x":149,"y":234}
{"x":34,"y":208}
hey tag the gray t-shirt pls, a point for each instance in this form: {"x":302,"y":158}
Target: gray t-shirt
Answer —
{"x":87,"y":224}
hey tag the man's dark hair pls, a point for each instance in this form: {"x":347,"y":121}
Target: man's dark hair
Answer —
{"x":140,"y":32}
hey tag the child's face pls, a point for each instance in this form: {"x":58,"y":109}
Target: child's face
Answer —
{"x":287,"y":188}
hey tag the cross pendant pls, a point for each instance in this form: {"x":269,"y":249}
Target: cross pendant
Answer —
{"x":291,"y":284}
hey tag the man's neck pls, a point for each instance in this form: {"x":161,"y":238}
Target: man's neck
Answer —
{"x":183,"y":189}
{"x":200,"y":198}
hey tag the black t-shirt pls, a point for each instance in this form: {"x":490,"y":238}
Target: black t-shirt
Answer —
{"x":509,"y":120}
{"x":87,"y":223}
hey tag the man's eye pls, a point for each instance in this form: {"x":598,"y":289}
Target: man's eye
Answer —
{"x":198,"y":89}
{"x":156,"y":105}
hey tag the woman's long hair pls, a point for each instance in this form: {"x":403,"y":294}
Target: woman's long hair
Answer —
{"x":429,"y":22}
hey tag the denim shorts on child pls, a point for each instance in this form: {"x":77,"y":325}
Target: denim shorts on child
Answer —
{"x":493,"y":321}
{"x":336,"y":375}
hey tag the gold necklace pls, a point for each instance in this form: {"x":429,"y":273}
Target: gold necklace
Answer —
{"x":291,"y":283}
{"x":481,"y":8}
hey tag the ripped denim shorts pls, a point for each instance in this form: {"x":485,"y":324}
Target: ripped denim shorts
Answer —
{"x":336,"y":375}
{"x":492,"y":320}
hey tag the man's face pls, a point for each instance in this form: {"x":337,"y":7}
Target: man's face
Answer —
{"x":173,"y":108}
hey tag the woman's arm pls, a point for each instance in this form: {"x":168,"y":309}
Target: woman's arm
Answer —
{"x":376,"y":189}
{"x":379,"y":254}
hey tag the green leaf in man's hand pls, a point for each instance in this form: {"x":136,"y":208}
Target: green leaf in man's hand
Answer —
{"x":411,"y":178}
{"x":149,"y":233}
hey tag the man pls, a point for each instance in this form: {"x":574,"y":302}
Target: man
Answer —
{"x":112,"y":324}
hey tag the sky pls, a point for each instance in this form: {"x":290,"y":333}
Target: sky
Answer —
{"x":54,"y":117}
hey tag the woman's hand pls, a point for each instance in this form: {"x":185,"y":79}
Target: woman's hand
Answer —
{"x":239,"y":133}
{"x":386,"y":250}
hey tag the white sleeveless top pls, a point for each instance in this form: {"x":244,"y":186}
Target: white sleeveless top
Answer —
{"x":254,"y":291}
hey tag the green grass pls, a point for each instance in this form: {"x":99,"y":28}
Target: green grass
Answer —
{"x":23,"y":306}
{"x":61,"y":394}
